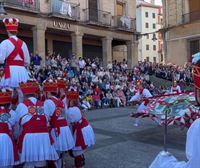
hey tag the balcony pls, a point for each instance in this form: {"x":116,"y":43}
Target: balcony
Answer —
{"x":25,"y":5}
{"x":65,"y":10}
{"x":124,"y":23}
{"x":191,"y":17}
{"x":97,"y":17}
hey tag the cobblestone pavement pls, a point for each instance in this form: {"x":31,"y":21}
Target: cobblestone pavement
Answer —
{"x":121,"y":145}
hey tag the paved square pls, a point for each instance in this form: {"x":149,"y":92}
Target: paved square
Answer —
{"x":121,"y":145}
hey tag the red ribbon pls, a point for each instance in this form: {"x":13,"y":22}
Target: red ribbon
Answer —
{"x":77,"y":129}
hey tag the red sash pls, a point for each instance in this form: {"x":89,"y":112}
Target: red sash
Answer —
{"x":77,"y":129}
{"x":37,"y":124}
{"x":11,"y":58}
{"x":55,"y":122}
{"x":5,"y":130}
{"x":175,"y":91}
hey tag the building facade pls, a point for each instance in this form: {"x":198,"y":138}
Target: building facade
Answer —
{"x":148,"y":21}
{"x":181,"y":30}
{"x":87,"y":28}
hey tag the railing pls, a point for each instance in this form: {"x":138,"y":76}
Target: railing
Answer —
{"x":190,"y":17}
{"x":28,"y":5}
{"x":125,"y":23}
{"x":64,"y":9}
{"x":94,"y":16}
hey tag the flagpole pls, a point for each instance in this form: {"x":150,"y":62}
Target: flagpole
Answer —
{"x":165,"y":128}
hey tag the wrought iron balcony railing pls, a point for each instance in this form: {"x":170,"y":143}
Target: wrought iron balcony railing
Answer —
{"x":26,"y":5}
{"x":64,"y":9}
{"x":125,"y":23}
{"x":97,"y":17}
{"x":191,"y":17}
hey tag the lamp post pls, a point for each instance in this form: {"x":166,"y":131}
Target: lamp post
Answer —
{"x":154,"y":37}
{"x":2,"y":10}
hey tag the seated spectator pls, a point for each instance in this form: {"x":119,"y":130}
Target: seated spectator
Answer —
{"x":96,"y":100}
{"x":122,"y":97}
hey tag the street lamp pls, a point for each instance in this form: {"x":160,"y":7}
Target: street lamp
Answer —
{"x":2,"y":10}
{"x":154,"y":37}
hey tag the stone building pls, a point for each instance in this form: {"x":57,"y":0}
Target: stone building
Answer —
{"x":181,"y":30}
{"x":148,"y":22}
{"x":88,"y":28}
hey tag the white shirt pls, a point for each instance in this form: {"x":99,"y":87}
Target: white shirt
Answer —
{"x":6,"y":48}
{"x":145,"y":93}
{"x":175,"y":90}
{"x":22,"y":110}
{"x":82,"y":64}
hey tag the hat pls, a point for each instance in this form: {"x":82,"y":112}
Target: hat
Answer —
{"x":72,"y":95}
{"x":30,"y":87}
{"x":11,"y":24}
{"x":50,"y":86}
{"x":62,"y":83}
{"x":5,"y":96}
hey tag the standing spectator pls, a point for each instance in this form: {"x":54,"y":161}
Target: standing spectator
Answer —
{"x":74,"y":64}
{"x":81,"y":64}
{"x":36,"y":59}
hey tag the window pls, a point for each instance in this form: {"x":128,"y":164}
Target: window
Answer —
{"x":147,"y":25}
{"x":153,"y":15}
{"x":154,"y":59}
{"x":120,"y":9}
{"x":147,"y":59}
{"x":194,"y":7}
{"x":154,"y":47}
{"x":147,"y":47}
{"x":147,"y":36}
{"x":146,"y":14}
{"x":154,"y":26}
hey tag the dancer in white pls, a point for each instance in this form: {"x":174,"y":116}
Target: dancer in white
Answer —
{"x":142,"y":95}
{"x":54,"y":108}
{"x":175,"y":89}
{"x":8,"y":148}
{"x":35,"y":143}
{"x":82,"y":132}
{"x":166,"y":160}
{"x":14,"y":53}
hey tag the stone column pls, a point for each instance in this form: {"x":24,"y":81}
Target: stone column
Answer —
{"x":50,"y":45}
{"x":77,"y":44}
{"x":107,"y":50}
{"x":39,"y":41}
{"x":132,"y":56}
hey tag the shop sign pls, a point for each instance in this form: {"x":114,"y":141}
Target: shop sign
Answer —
{"x":61,"y":25}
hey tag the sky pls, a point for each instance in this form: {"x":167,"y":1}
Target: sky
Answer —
{"x":158,"y":2}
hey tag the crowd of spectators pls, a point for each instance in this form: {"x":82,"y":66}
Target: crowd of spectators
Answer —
{"x":111,"y":86}
{"x":100,"y":87}
{"x":169,"y":72}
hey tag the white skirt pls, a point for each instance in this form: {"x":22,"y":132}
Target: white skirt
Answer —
{"x":141,"y":108}
{"x":37,"y":147}
{"x":17,"y":74}
{"x":88,"y":136}
{"x":6,"y":151}
{"x":64,"y":141}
